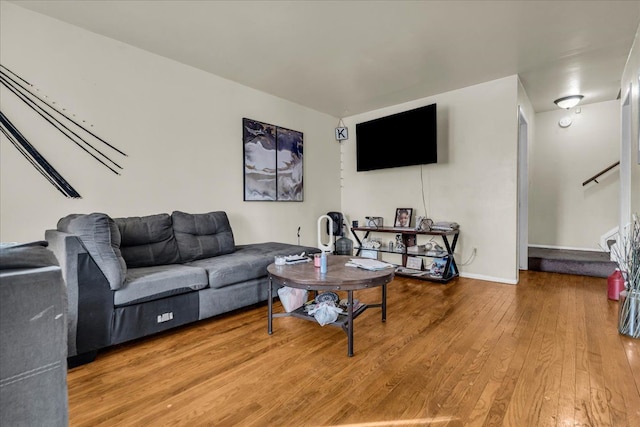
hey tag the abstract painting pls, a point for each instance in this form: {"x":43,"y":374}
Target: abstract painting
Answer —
{"x":272,"y":162}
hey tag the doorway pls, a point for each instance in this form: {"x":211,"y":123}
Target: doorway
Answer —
{"x":625,"y":162}
{"x":523,"y":191}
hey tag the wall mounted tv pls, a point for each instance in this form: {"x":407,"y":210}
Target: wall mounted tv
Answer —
{"x":404,"y":139}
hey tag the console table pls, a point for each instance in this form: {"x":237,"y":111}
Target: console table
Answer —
{"x":409,"y":239}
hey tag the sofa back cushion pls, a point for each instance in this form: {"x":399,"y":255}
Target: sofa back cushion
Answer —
{"x":202,"y":236}
{"x":101,"y":237}
{"x":148,"y":240}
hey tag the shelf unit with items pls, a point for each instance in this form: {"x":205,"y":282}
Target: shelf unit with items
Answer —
{"x":409,"y":239}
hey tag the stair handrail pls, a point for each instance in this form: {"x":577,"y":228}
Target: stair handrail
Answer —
{"x":599,"y":174}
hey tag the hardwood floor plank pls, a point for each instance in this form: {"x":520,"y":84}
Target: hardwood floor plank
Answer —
{"x":567,"y":392}
{"x":482,"y":412}
{"x":582,"y":414}
{"x":550,"y":358}
{"x":597,"y":351}
{"x":523,"y":332}
{"x":471,"y":353}
{"x":497,"y":366}
{"x":622,"y":396}
{"x":529,"y":392}
{"x":458,"y":393}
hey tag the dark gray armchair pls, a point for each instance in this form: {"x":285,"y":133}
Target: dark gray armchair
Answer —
{"x":33,"y":338}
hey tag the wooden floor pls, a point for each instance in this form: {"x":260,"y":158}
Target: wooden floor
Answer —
{"x":545,"y":352}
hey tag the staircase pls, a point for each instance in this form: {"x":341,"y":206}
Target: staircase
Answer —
{"x":584,"y":263}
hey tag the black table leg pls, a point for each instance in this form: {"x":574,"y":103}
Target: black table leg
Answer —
{"x":358,"y":240}
{"x":384,"y":302}
{"x":350,"y":324}
{"x":270,"y":304}
{"x":451,"y":261}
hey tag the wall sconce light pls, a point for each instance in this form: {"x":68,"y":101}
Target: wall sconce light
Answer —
{"x":568,"y":101}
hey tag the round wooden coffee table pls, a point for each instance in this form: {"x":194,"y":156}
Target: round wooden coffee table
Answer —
{"x":337,"y":278}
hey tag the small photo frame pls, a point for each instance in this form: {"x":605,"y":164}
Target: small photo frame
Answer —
{"x":414,"y":263}
{"x":403,"y":217}
{"x":369,"y":254}
{"x":437,"y":268}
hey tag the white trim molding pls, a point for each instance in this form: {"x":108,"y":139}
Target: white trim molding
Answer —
{"x":488,"y":278}
{"x":568,"y":248}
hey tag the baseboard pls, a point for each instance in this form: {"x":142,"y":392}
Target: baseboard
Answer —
{"x":488,"y":278}
{"x":567,"y":248}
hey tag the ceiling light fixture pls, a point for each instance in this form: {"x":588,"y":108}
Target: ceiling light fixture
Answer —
{"x":568,"y":101}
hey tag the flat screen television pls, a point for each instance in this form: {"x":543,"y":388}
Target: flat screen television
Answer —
{"x":404,"y":139}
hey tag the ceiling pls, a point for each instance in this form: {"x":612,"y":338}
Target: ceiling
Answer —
{"x":347,"y":57}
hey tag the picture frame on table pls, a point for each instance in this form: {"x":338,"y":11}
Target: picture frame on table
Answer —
{"x":403,"y":217}
{"x":414,"y":263}
{"x":437,"y":267}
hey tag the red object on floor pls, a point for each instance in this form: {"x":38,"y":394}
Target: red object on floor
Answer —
{"x":615,"y":285}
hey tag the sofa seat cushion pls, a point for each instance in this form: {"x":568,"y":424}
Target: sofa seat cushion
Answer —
{"x":247,"y":262}
{"x":201,"y":236}
{"x":151,"y":283}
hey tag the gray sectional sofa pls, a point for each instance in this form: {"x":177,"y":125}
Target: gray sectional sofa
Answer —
{"x":132,"y":277}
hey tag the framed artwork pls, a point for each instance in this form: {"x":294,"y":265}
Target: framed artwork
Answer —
{"x":272,"y":162}
{"x":403,"y":217}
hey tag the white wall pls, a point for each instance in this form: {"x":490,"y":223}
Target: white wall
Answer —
{"x":474,"y":182}
{"x":524,"y":175}
{"x":180,"y":126}
{"x":563,"y":212}
{"x":631,"y":78}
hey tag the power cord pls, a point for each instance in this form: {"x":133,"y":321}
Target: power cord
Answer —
{"x":471,"y":257}
{"x":424,"y":204}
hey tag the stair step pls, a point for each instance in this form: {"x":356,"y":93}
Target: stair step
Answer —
{"x":584,"y":263}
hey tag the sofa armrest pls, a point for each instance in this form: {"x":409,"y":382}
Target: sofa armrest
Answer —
{"x":33,"y":369}
{"x":90,"y":299}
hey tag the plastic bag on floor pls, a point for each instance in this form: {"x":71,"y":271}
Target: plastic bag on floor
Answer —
{"x":325,"y":312}
{"x":292,"y":298}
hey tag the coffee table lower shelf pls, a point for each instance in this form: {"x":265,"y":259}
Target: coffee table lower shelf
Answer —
{"x":342,"y":321}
